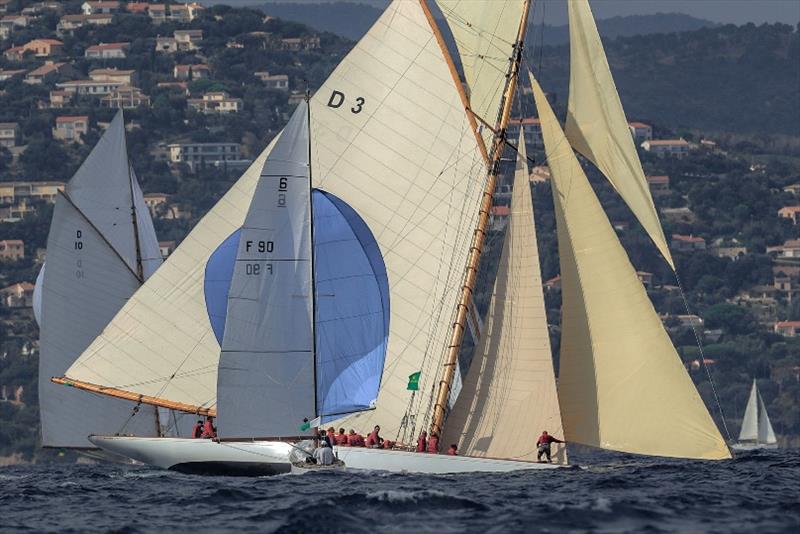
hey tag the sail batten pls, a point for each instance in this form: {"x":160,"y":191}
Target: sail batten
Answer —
{"x":622,"y":385}
{"x":596,"y":124}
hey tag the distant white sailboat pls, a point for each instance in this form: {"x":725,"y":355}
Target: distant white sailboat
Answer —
{"x":756,"y":432}
{"x":397,"y":149}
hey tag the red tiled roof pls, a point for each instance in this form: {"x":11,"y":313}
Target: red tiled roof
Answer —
{"x":638,"y":125}
{"x":501,"y":211}
{"x":72,"y":118}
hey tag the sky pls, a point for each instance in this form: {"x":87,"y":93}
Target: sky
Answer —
{"x":724,"y":11}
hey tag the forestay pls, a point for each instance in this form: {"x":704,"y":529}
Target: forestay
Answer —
{"x":90,"y":274}
{"x":596,"y":124}
{"x":390,"y":139}
{"x":622,"y":385}
{"x":485,"y":32}
{"x":266,"y":383}
{"x":509,"y":394}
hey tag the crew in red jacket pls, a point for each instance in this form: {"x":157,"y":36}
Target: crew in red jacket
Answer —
{"x":374,"y":440}
{"x":341,"y":438}
{"x":197,"y":431}
{"x":433,"y":443}
{"x":209,"y":431}
{"x":422,"y":442}
{"x":355,"y":440}
{"x":543,"y":444}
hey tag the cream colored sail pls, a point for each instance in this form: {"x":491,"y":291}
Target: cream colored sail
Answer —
{"x":485,"y":32}
{"x":596,"y":124}
{"x":622,"y":385}
{"x":391,"y":139}
{"x":509,"y":394}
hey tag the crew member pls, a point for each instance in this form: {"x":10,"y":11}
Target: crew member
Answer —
{"x":543,"y":444}
{"x":433,"y":443}
{"x":209,"y":430}
{"x":323,"y":454}
{"x":422,"y":442}
{"x":354,"y":439}
{"x":197,"y":431}
{"x":374,"y":440}
{"x":453,"y":450}
{"x":341,"y":438}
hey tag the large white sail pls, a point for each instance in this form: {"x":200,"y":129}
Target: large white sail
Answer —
{"x":266,"y":371}
{"x":485,"y":32}
{"x":509,"y":394}
{"x":622,"y":385}
{"x":392,"y":141}
{"x":749,"y":430}
{"x":90,"y":273}
{"x":596,"y":124}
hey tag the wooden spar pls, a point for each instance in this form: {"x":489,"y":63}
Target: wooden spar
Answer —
{"x":134,"y":397}
{"x":456,"y":79}
{"x":471,"y":274}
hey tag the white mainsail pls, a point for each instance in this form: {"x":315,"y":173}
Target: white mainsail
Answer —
{"x":266,"y":369}
{"x":485,"y":33}
{"x":509,"y":394}
{"x":622,"y":385}
{"x":596,"y":124}
{"x":392,"y":140}
{"x":91,"y":271}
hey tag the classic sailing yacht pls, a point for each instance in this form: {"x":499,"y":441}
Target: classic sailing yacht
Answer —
{"x":756,"y":432}
{"x":399,"y":142}
{"x":101,"y":248}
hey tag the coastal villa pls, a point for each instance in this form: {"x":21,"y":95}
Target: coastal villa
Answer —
{"x":94,"y":8}
{"x":789,"y":212}
{"x":71,"y":128}
{"x":16,"y":192}
{"x":677,"y":148}
{"x":201,"y":155}
{"x":48,"y":73}
{"x":728,"y":248}
{"x":12,"y":249}
{"x":9,"y":134}
{"x":216,"y":102}
{"x":658,"y":184}
{"x":787,"y":328}
{"x":188,"y":39}
{"x":125,"y":97}
{"x":640,"y":131}
{"x":18,"y":295}
{"x":191,"y":72}
{"x":107,"y":51}
{"x":278,"y":82}
{"x":687,"y":243}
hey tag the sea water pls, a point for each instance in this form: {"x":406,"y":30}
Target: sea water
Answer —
{"x":757,"y":492}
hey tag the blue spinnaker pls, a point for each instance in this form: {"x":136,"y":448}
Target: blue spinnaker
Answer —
{"x":217,"y":282}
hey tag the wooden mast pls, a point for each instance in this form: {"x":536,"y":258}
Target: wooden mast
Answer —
{"x":135,"y":397}
{"x":456,"y":79}
{"x":470,"y":276}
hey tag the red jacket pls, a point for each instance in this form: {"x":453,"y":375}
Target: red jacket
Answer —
{"x":433,"y":444}
{"x":373,"y":439}
{"x":547,"y":440}
{"x":208,"y":430}
{"x":422,"y":444}
{"x":341,"y":439}
{"x":355,"y":440}
{"x":197,"y":431}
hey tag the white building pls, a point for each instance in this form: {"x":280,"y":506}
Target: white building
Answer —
{"x":278,"y":82}
{"x":676,"y":148}
{"x":107,"y":51}
{"x":201,"y":155}
{"x":640,"y":131}
{"x":216,"y":102}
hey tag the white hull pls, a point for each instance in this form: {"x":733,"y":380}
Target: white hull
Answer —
{"x":253,"y":458}
{"x":359,"y":458}
{"x":753,"y":446}
{"x":202,"y":456}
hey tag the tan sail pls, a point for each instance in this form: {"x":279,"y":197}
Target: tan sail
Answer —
{"x":509,"y":395}
{"x":485,"y":32}
{"x":391,"y":139}
{"x":622,"y":385}
{"x":596,"y":124}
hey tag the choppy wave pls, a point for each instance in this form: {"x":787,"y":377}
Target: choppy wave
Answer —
{"x":759,"y":491}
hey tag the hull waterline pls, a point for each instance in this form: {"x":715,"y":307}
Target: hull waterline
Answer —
{"x":742,"y":447}
{"x":259,"y":458}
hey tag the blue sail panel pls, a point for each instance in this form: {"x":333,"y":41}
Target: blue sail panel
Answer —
{"x":217,"y":282}
{"x":352,"y":308}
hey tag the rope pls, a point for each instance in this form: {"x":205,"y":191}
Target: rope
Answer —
{"x":703,"y":359}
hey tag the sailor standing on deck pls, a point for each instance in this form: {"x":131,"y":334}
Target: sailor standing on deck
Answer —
{"x":543,"y":444}
{"x":323,"y":454}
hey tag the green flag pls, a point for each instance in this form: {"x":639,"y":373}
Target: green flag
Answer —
{"x":305,"y":426}
{"x":413,"y":381}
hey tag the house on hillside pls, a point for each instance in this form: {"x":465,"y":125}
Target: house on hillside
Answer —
{"x":216,"y":102}
{"x":17,"y":192}
{"x":787,"y":328}
{"x":94,"y":8}
{"x":107,"y":51}
{"x":127,"y":77}
{"x":498,"y":217}
{"x":60,"y":99}
{"x":71,"y":128}
{"x":18,"y":295}
{"x":674,"y":148}
{"x":137,"y":8}
{"x":12,"y":250}
{"x":9,"y":134}
{"x":728,"y":248}
{"x":125,"y":97}
{"x":157,"y":12}
{"x":191,"y":72}
{"x":659,"y":185}
{"x":640,"y":131}
{"x":7,"y":74}
{"x":687,"y":243}
{"x":188,"y":39}
{"x":532,"y":128}
{"x":789,"y":212}
{"x":278,"y":82}
{"x":166,"y":45}
{"x":50,"y":72}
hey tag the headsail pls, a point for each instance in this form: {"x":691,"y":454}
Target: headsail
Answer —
{"x":90,"y":273}
{"x":392,"y":141}
{"x":485,"y":32}
{"x":266,"y":369}
{"x":765,"y":433}
{"x":622,"y":385}
{"x":509,"y":393}
{"x":596,"y":124}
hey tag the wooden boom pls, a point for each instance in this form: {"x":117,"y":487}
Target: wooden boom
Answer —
{"x":134,"y":397}
{"x":471,"y":274}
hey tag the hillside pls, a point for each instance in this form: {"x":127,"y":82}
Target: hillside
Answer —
{"x":725,"y":79}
